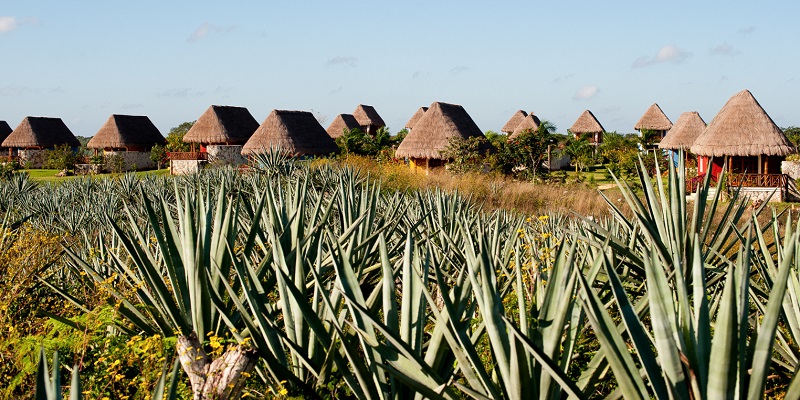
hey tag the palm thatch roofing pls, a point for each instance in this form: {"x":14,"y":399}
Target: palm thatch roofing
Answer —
{"x":41,"y":132}
{"x":434,"y":130}
{"x":531,"y":122}
{"x":5,"y":130}
{"x":587,"y":123}
{"x":742,"y":128}
{"x":222,"y":125}
{"x":416,"y":117}
{"x":366,"y":116}
{"x":296,"y":132}
{"x":126,"y":131}
{"x":514,"y":121}
{"x":342,"y":122}
{"x":685,"y":131}
{"x":654,"y":119}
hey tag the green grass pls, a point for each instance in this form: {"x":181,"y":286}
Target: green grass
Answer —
{"x":49,"y":175}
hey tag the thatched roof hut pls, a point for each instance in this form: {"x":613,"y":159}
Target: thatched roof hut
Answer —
{"x":42,"y":133}
{"x":654,"y":119}
{"x":514,"y":121}
{"x":131,"y":132}
{"x":416,"y":117}
{"x":5,"y":130}
{"x":296,"y":132}
{"x":742,"y":128}
{"x":340,"y":123}
{"x":434,"y":130}
{"x":587,"y":123}
{"x":685,"y":131}
{"x":226,"y":125}
{"x":368,"y":118}
{"x":530,"y":122}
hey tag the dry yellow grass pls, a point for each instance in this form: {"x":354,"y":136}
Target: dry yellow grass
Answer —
{"x":493,"y":192}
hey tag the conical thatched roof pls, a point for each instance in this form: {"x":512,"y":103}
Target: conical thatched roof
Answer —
{"x":416,"y":117}
{"x":5,"y":130}
{"x":654,"y":119}
{"x":126,"y":131}
{"x":340,"y":123}
{"x":41,"y":132}
{"x":685,"y":131}
{"x":530,"y":122}
{"x":742,"y":128}
{"x":514,"y":121}
{"x":222,"y":125}
{"x":587,"y":123}
{"x":433,"y":131}
{"x":366,"y":116}
{"x":296,"y":132}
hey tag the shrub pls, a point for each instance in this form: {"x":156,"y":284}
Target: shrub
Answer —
{"x":62,"y":157}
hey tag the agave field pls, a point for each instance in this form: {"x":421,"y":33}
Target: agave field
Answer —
{"x":314,"y":282}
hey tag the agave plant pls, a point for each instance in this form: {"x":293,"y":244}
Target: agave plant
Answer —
{"x":692,"y":282}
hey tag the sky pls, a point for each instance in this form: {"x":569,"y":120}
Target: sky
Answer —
{"x":170,"y":60}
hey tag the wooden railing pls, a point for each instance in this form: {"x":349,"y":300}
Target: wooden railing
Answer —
{"x":758,"y":180}
{"x":188,"y":155}
{"x":693,"y":183}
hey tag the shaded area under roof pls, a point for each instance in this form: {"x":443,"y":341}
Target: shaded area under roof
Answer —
{"x":5,"y":130}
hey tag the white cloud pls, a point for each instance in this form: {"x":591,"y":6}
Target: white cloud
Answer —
{"x":15,"y":90}
{"x":7,"y":24}
{"x":667,"y":54}
{"x":747,"y":30}
{"x":586,"y":92}
{"x":458,"y":69}
{"x":723,"y":49}
{"x":563,"y":78}
{"x":342,"y":61}
{"x":206,"y":29}
{"x":180,"y":92}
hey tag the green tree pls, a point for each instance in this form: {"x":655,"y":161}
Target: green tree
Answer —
{"x":354,"y":141}
{"x":61,"y":157}
{"x":580,"y":153}
{"x":465,"y":155}
{"x":496,"y":139}
{"x":793,"y":134}
{"x":175,"y":137}
{"x":529,"y":150}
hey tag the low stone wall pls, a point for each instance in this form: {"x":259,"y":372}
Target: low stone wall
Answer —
{"x":791,"y":168}
{"x":31,"y":158}
{"x":225,"y":155}
{"x":762,"y":193}
{"x":132,"y":160}
{"x":185,"y":167}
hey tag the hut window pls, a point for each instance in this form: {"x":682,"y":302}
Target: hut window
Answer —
{"x":740,"y":165}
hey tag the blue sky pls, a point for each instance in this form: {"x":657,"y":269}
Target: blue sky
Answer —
{"x":170,"y":60}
